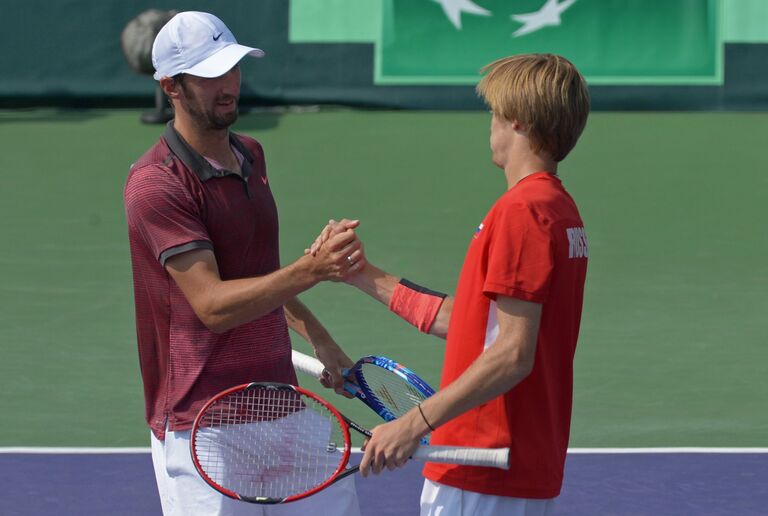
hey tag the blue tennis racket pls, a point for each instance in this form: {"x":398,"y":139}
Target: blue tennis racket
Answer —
{"x":388,"y":388}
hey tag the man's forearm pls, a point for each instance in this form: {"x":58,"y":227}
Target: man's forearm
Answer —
{"x":224,"y":304}
{"x":375,"y":282}
{"x":235,"y":302}
{"x":381,"y":285}
{"x":491,"y":375}
{"x":497,"y":369}
{"x":301,"y":320}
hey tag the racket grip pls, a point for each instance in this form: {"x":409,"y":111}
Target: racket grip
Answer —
{"x":313,"y":367}
{"x":490,"y":457}
{"x":306,"y":364}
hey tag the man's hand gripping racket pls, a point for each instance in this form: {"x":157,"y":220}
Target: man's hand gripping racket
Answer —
{"x":274,"y":443}
{"x":388,"y":388}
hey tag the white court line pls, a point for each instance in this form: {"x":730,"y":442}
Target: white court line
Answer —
{"x":74,"y":450}
{"x":596,"y":451}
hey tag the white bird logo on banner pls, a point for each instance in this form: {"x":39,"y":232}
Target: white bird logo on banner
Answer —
{"x":547,"y":16}
{"x":454,"y":8}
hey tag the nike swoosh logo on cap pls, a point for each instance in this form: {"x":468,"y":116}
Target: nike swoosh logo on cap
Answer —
{"x":216,"y":38}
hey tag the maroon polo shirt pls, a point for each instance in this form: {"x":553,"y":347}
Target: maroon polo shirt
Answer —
{"x":175,"y":202}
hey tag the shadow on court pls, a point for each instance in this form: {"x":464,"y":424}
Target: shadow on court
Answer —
{"x":621,"y":484}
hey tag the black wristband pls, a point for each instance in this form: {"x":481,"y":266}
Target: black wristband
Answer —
{"x":424,"y":290}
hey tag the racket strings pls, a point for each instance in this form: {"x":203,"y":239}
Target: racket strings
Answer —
{"x":392,"y":391}
{"x":269,"y":443}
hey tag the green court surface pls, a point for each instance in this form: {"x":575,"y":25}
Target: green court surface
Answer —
{"x":673,"y":343}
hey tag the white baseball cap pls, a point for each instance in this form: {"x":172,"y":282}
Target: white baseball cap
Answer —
{"x":198,"y":44}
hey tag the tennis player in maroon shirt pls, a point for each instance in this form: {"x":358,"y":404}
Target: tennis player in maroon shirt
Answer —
{"x":213,"y":304}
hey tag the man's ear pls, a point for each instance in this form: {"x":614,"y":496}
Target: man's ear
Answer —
{"x":520,"y":127}
{"x":169,"y":87}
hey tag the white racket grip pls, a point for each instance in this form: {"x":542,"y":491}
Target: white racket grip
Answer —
{"x":490,"y":457}
{"x":306,"y":364}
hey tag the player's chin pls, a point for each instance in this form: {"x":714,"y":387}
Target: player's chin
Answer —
{"x":230,"y":117}
{"x":225,"y":114}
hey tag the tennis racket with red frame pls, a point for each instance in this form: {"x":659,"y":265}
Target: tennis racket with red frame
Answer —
{"x":273,"y":443}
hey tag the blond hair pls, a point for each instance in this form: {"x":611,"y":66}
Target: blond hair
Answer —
{"x":545,"y":93}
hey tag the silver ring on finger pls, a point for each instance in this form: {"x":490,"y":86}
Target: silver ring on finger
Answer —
{"x":350,"y":261}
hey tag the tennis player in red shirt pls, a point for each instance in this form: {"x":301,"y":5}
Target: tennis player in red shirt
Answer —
{"x":512,"y":326}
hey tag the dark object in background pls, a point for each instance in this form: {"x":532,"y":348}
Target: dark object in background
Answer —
{"x":136,"y":41}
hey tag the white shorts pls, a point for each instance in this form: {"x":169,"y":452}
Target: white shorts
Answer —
{"x":184,"y":493}
{"x":441,"y":500}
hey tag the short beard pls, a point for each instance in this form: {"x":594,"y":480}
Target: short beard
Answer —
{"x":206,"y":119}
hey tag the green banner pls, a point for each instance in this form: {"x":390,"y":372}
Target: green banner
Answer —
{"x":610,"y":41}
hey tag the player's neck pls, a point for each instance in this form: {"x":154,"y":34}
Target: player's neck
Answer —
{"x":520,"y":166}
{"x":210,"y":143}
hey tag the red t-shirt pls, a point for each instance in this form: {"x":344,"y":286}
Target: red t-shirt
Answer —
{"x":531,"y":246}
{"x":176,"y":201}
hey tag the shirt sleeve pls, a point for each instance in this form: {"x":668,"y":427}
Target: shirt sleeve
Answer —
{"x":161,"y":210}
{"x":519,"y":255}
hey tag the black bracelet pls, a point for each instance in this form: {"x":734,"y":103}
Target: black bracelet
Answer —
{"x":424,"y":417}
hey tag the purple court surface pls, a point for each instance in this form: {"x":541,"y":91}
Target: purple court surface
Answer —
{"x":675,"y":483}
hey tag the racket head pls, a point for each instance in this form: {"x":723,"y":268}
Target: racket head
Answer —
{"x":388,"y":387}
{"x":269,"y":443}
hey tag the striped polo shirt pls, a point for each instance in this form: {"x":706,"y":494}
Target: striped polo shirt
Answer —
{"x":177,"y":201}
